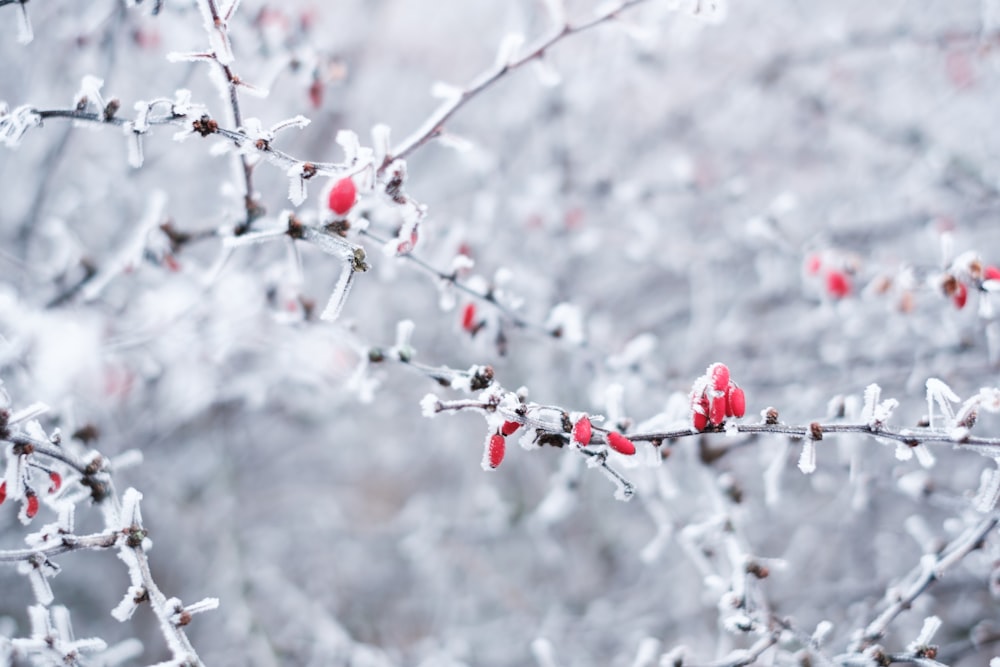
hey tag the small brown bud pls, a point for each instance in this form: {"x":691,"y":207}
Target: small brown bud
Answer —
{"x":815,"y":431}
{"x":771,"y":416}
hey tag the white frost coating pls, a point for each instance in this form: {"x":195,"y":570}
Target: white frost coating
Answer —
{"x":568,"y":320}
{"x":296,"y":185}
{"x":931,"y":625}
{"x":989,"y":490}
{"x":807,"y":460}
{"x":124,"y":610}
{"x":821,"y":632}
{"x":924,"y":456}
{"x":940,"y":393}
{"x":29,"y":412}
{"x":557,"y":12}
{"x":646,"y":655}
{"x":430,"y":405}
{"x":381,"y":142}
{"x":131,"y":514}
{"x":872,"y":393}
{"x":340,"y":293}
{"x":206,"y":604}
{"x":547,"y":75}
{"x":350,"y":143}
{"x":445,"y":91}
{"x":509,"y":47}
{"x":543,"y":652}
{"x":903,"y":452}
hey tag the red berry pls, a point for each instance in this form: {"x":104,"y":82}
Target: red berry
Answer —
{"x":32,"y":508}
{"x":991,"y":273}
{"x":719,"y":375}
{"x":496,"y":446}
{"x":3,"y":492}
{"x":717,"y":409}
{"x":342,"y":196}
{"x":736,"y":400}
{"x":582,"y":431}
{"x":813,"y":264}
{"x":469,"y":317}
{"x":699,"y":410}
{"x":56,"y":480}
{"x":621,"y":444}
{"x":838,"y":285}
{"x":508,"y":428}
{"x":960,"y":296}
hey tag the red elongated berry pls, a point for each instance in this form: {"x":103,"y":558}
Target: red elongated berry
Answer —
{"x":621,"y":444}
{"x":582,"y":431}
{"x":32,"y":508}
{"x":718,"y":373}
{"x":813,"y":264}
{"x":960,"y":296}
{"x":699,"y":411}
{"x":342,"y":196}
{"x":508,"y":428}
{"x":991,"y":273}
{"x":3,"y":492}
{"x":717,"y":409}
{"x":737,"y":400}
{"x":469,"y":317}
{"x":56,"y":480}
{"x":496,"y":447}
{"x":838,"y":285}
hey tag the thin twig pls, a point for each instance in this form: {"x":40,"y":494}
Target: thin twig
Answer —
{"x":923,"y":576}
{"x":434,"y":125}
{"x":66,"y":543}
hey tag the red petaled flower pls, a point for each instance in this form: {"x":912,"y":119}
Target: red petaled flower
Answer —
{"x":582,"y":431}
{"x":960,"y":296}
{"x":56,"y":480}
{"x":508,"y":428}
{"x":496,"y":447}
{"x":32,"y":505}
{"x":469,"y":317}
{"x":621,"y":444}
{"x":342,"y":196}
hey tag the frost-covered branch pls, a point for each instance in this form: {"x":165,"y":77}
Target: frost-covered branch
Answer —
{"x":931,"y":569}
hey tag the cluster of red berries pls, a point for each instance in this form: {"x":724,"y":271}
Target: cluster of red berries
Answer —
{"x":581,"y":435}
{"x":30,"y":497}
{"x":837,"y":282}
{"x":714,"y":397}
